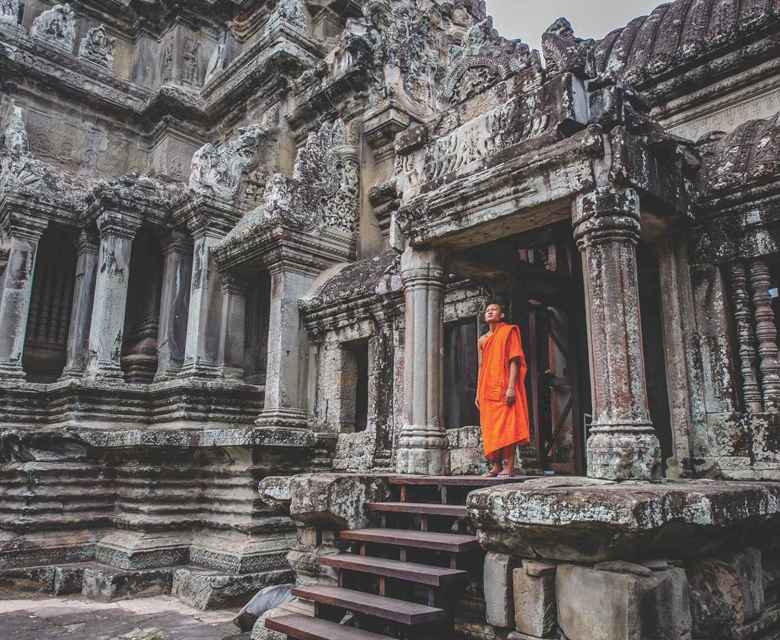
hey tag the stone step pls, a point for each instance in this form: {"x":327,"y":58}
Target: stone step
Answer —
{"x":105,"y":583}
{"x":306,"y":628}
{"x":448,"y":542}
{"x":439,"y":577}
{"x":399,"y":611}
{"x":474,"y":482}
{"x":419,"y":508}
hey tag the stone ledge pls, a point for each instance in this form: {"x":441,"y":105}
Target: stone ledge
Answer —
{"x":182,"y":438}
{"x":583,"y":520}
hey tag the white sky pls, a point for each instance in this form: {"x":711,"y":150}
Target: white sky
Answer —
{"x":527,"y":19}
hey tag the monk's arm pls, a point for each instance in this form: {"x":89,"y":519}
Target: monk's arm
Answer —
{"x":514,"y":372}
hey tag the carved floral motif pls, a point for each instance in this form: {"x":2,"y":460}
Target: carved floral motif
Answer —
{"x":98,"y":47}
{"x":57,"y":26}
{"x":217,"y":170}
{"x":562,"y":50}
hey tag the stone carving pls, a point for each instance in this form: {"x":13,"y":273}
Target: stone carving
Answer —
{"x":217,"y":60}
{"x":191,"y":58}
{"x":166,"y":63}
{"x":562,"y":50}
{"x":291,"y":11}
{"x":21,"y":172}
{"x":9,"y":11}
{"x":484,"y":60}
{"x":57,"y":26}
{"x":217,"y":169}
{"x":324,"y":189}
{"x":98,"y":47}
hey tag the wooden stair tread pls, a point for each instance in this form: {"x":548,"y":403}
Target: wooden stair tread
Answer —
{"x":306,"y":628}
{"x":456,"y":481}
{"x":411,"y":571}
{"x":400,"y":611}
{"x":421,"y":508}
{"x":450,"y":542}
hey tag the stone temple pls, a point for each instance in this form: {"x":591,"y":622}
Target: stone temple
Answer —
{"x":245,"y":246}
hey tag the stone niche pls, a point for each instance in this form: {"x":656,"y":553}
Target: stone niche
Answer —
{"x":594,"y":560}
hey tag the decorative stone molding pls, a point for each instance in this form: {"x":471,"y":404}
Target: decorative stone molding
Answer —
{"x":746,"y":337}
{"x":766,"y":334}
{"x":56,"y":26}
{"x":98,"y":47}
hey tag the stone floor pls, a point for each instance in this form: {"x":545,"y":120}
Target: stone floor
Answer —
{"x":159,"y":618}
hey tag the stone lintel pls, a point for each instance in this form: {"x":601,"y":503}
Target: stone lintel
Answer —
{"x":587,"y":520}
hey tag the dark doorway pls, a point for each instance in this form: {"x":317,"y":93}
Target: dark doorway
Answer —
{"x":461,"y":366}
{"x":50,"y":306}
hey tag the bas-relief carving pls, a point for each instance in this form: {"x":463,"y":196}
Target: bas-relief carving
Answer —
{"x":57,"y":26}
{"x":191,"y":61}
{"x":217,"y":169}
{"x":98,"y":47}
{"x":291,"y":11}
{"x":563,"y":51}
{"x":9,"y":11}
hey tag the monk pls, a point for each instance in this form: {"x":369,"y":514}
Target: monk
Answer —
{"x":501,"y":397}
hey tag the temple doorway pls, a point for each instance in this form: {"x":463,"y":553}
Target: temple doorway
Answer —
{"x":538,"y":276}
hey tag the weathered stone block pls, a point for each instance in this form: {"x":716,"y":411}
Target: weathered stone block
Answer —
{"x":204,"y":589}
{"x":588,"y":521}
{"x":275,"y":492}
{"x":68,"y":580}
{"x":499,"y":608}
{"x":726,"y":592}
{"x":32,"y":579}
{"x":106,"y":584}
{"x":534,"y":599}
{"x":604,"y":605}
{"x":333,"y":501}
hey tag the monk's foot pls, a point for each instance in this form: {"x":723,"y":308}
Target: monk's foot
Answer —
{"x":506,"y":473}
{"x":494,"y":472}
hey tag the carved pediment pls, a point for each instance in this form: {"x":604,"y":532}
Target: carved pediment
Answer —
{"x":57,"y":26}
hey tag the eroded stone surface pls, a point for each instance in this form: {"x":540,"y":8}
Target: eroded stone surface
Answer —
{"x":597,"y":522}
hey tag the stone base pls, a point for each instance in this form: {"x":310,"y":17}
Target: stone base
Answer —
{"x":287,"y":418}
{"x":624,"y":455}
{"x":588,"y":520}
{"x":106,"y":583}
{"x":204,"y":589}
{"x":421,"y":451}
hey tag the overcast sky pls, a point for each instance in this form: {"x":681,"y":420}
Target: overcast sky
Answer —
{"x":527,"y":19}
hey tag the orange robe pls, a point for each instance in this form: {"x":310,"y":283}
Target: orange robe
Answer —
{"x":502,"y":425}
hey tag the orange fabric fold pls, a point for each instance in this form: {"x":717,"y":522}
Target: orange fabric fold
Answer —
{"x":502,"y":425}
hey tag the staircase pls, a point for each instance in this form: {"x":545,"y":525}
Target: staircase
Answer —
{"x":402,"y":578}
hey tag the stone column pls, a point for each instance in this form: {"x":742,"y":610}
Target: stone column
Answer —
{"x":205,"y":310}
{"x":174,"y":300}
{"x":684,"y":373}
{"x":746,"y":337}
{"x":23,"y":236}
{"x":622,"y":444}
{"x":766,"y":334}
{"x":288,"y":350}
{"x":422,"y":445}
{"x":232,"y":338}
{"x":81,"y":313}
{"x":117,"y":232}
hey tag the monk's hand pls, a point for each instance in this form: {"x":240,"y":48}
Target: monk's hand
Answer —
{"x":476,"y":402}
{"x":510,"y":396}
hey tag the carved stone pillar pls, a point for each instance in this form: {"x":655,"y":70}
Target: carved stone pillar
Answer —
{"x":81,"y":313}
{"x":684,"y":373}
{"x":174,"y":301}
{"x":288,"y":350}
{"x":766,"y":334}
{"x":746,"y":337}
{"x":622,"y":444}
{"x":422,"y":444}
{"x":205,"y":311}
{"x":23,"y":235}
{"x":117,"y":232}
{"x":232,"y":339}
